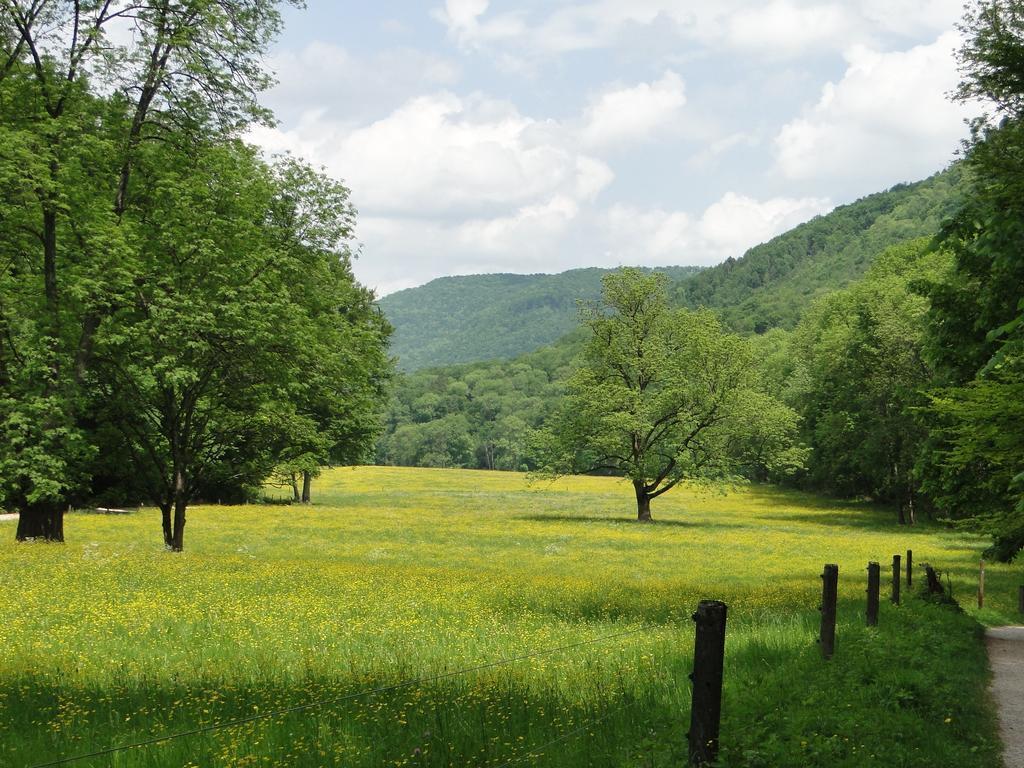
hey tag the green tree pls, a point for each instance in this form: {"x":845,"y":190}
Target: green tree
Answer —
{"x":245,"y":339}
{"x":662,"y":396}
{"x":859,"y":369}
{"x":192,"y":68}
{"x":346,"y":371}
{"x":976,"y":329}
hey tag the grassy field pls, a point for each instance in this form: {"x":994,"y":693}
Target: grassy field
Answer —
{"x":401,"y":573}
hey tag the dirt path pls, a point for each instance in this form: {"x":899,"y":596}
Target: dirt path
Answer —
{"x":8,"y":517}
{"x":1006,"y":655}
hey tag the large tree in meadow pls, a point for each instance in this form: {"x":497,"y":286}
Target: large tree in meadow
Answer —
{"x":662,"y":396}
{"x":77,"y":110}
{"x":336,"y":401}
{"x":245,"y":334}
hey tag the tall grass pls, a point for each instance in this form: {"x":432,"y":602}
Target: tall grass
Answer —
{"x":398,"y":574}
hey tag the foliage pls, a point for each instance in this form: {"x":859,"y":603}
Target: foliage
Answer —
{"x":663,"y":396}
{"x":980,"y":431}
{"x":976,"y":324}
{"x":77,"y":107}
{"x":478,"y":415}
{"x":482,"y":317}
{"x":400,"y":573}
{"x":176,"y":315}
{"x":773,"y":283}
{"x":858,"y":372}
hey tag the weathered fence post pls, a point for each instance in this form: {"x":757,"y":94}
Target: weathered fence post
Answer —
{"x":708,"y":659}
{"x":934,"y":585}
{"x":1020,"y":598}
{"x":981,"y":585}
{"x":874,"y":571}
{"x":910,"y":568}
{"x":896,"y":579}
{"x":829,"y":594}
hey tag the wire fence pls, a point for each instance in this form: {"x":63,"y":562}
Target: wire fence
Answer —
{"x":336,"y":700}
{"x":539,"y":751}
{"x":709,"y":647}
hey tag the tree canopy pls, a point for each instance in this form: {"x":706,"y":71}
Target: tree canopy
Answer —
{"x":976,"y":323}
{"x":662,"y":396}
{"x":177,"y":315}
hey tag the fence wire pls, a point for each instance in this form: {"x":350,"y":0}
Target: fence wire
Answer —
{"x":338,"y":700}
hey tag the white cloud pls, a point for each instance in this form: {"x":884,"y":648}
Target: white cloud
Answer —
{"x":532,"y":226}
{"x":402,"y":251}
{"x":777,"y":28}
{"x":736,"y":222}
{"x":633,"y":113}
{"x":727,"y":228}
{"x":449,"y":156}
{"x":464,"y":20}
{"x":784,"y":27}
{"x":887,"y":120}
{"x":451,"y":182}
{"x":912,"y":17}
{"x":328,"y":77}
{"x":712,"y":153}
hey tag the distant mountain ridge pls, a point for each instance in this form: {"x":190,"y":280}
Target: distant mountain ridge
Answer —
{"x":483,"y":317}
{"x":454,"y":320}
{"x":480,"y":413}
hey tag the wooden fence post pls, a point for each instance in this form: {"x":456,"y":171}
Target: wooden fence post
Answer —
{"x":981,"y":585}
{"x":708,"y":659}
{"x":934,"y":585}
{"x":910,"y":568}
{"x":829,"y":594}
{"x":896,"y":575}
{"x":874,"y":577}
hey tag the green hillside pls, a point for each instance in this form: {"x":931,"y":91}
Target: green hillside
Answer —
{"x":478,"y":414}
{"x":485,"y":317}
{"x":772,"y":283}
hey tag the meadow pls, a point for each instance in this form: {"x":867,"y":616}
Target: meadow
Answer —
{"x":398,"y":574}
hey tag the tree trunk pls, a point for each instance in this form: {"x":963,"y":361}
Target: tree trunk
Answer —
{"x":50,"y":269}
{"x":911,"y":516}
{"x":643,"y":502}
{"x":180,"y":503}
{"x":307,"y":482}
{"x":902,"y":518}
{"x":178,"y":538}
{"x":41,"y":521}
{"x":295,"y":488}
{"x":165,"y":517}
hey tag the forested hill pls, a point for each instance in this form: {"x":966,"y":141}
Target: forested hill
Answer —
{"x":479,"y":414}
{"x":484,"y":317}
{"x":772,"y":284}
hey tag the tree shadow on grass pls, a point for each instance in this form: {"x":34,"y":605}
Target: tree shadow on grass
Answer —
{"x":840,"y":513}
{"x":864,"y":519}
{"x":656,"y":523}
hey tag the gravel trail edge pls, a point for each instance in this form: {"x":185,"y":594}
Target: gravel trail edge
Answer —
{"x":1006,"y":656}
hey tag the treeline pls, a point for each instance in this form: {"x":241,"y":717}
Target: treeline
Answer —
{"x":912,"y":383}
{"x":178,"y":317}
{"x":478,"y":415}
{"x":437,"y":417}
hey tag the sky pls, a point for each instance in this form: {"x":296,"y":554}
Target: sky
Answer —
{"x":544,"y":135}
